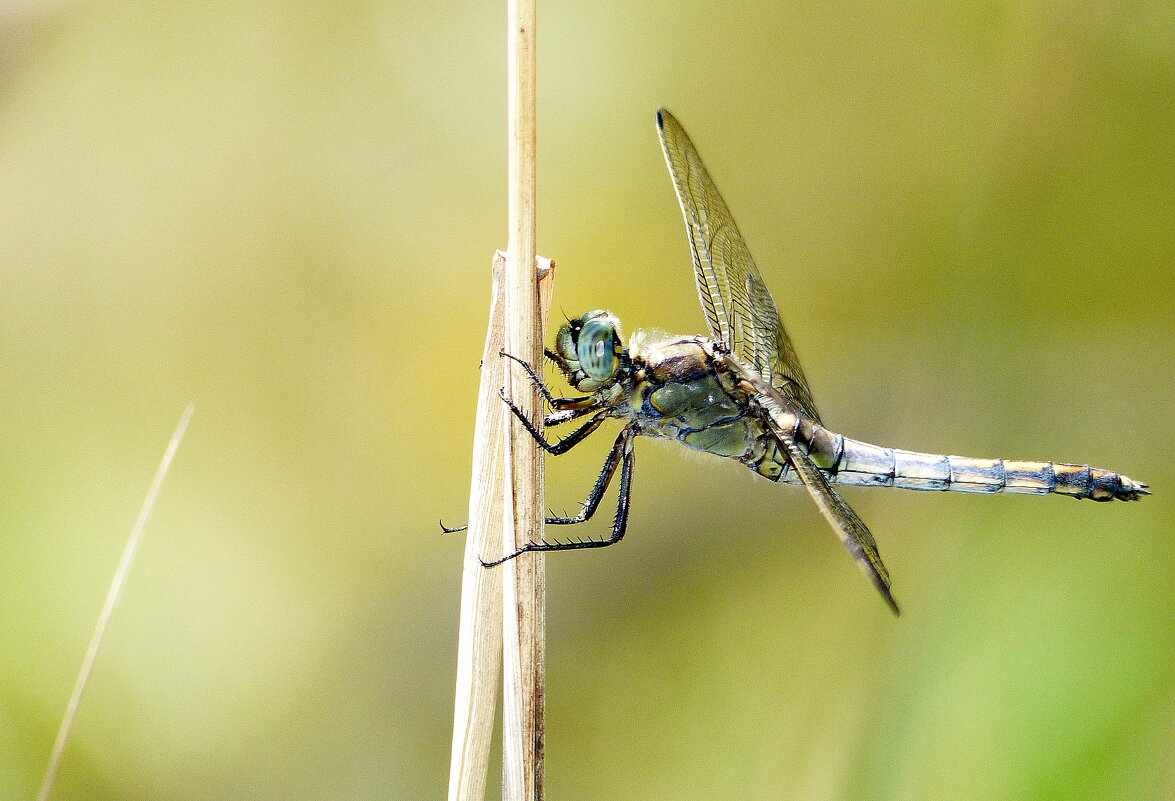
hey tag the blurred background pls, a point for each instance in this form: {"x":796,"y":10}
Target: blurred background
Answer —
{"x":284,"y":212}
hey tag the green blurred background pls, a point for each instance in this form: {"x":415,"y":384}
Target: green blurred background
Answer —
{"x":285,"y":212}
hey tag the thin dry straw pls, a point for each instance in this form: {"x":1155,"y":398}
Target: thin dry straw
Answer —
{"x":479,"y":649}
{"x":502,"y":615}
{"x":524,"y":585}
{"x":120,"y":574}
{"x":479,"y":652}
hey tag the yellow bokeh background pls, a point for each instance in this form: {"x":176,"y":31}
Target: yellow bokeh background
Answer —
{"x":284,"y":212}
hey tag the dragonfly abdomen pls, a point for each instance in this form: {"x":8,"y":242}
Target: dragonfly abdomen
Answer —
{"x":849,"y":461}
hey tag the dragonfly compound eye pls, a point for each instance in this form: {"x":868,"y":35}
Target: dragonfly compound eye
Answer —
{"x":565,"y":344}
{"x":596,"y":349}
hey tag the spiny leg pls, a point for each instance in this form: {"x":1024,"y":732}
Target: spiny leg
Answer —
{"x":593,"y":500}
{"x":566,"y":415}
{"x":621,"y":453}
{"x":562,"y":446}
{"x":615,"y":456}
{"x":558,"y":361}
{"x":557,"y":403}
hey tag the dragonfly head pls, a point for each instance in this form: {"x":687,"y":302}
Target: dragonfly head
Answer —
{"x":589,"y":350}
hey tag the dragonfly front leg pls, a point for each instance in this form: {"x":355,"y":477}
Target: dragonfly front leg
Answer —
{"x":556,"y":403}
{"x":621,"y":454}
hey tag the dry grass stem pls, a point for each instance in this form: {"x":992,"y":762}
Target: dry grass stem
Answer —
{"x":479,"y":650}
{"x":116,"y":584}
{"x":506,"y":496}
{"x":479,"y":647}
{"x":523,"y":581}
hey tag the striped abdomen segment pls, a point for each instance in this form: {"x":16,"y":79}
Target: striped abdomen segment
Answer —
{"x":847,"y":461}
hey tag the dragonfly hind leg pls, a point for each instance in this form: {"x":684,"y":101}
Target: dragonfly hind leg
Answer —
{"x":621,"y":455}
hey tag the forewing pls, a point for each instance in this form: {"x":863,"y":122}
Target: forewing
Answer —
{"x":739,"y":309}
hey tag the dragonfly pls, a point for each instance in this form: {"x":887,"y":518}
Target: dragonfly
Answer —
{"x":740,"y":393}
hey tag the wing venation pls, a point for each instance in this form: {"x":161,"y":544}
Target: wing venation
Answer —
{"x":851,"y":530}
{"x":740,"y":311}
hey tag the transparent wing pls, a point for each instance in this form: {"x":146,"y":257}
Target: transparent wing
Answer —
{"x":739,"y":310}
{"x":851,"y":530}
{"x":844,"y":521}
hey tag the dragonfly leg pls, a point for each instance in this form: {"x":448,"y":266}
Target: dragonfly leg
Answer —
{"x":560,"y":447}
{"x":566,"y":415}
{"x":558,"y":361}
{"x":621,"y":454}
{"x":596,"y":495}
{"x":557,"y":403}
{"x":563,"y":445}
